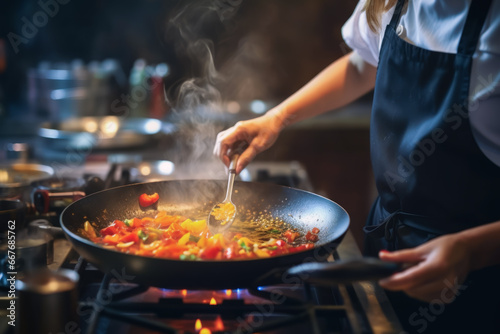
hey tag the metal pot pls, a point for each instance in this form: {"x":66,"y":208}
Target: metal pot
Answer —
{"x":62,"y":91}
{"x":16,"y":179}
{"x":48,"y":302}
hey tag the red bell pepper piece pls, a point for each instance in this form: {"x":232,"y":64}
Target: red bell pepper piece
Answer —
{"x":112,"y":239}
{"x":231,"y":251}
{"x":176,"y":234}
{"x":146,"y":200}
{"x":312,"y":237}
{"x":210,"y":252}
{"x":280,"y":243}
{"x":301,"y":248}
{"x":119,"y":224}
{"x":110,"y":230}
{"x":290,"y":235}
{"x":132,"y":236}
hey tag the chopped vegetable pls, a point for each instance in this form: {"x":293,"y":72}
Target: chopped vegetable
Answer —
{"x":261,"y":253}
{"x":184,"y":240}
{"x":110,"y":230}
{"x":312,"y":237}
{"x":291,"y":235}
{"x":125,"y":245}
{"x":128,"y":222}
{"x":146,"y":200}
{"x":190,"y":257}
{"x":194,"y":238}
{"x":143,"y":236}
{"x":89,"y":229}
{"x":244,"y":246}
{"x":196,"y":227}
{"x":177,"y":237}
{"x":130,"y":237}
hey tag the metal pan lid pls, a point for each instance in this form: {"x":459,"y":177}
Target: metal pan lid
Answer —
{"x":21,"y":174}
{"x":49,"y":282}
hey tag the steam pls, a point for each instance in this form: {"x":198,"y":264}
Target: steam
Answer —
{"x":243,"y":82}
{"x":196,"y":102}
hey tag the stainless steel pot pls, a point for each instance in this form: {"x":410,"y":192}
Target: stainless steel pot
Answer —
{"x":16,"y":179}
{"x":61,"y":91}
{"x":48,"y":302}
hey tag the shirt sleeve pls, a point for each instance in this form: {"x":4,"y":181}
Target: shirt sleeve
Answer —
{"x":360,"y":38}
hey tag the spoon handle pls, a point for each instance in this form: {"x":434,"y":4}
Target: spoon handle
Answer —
{"x":235,"y":153}
{"x":232,"y":175}
{"x":232,"y":164}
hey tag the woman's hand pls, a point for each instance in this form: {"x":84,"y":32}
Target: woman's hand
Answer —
{"x":438,"y":269}
{"x":260,"y":133}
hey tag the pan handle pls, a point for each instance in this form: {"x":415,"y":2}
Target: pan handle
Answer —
{"x":344,"y":271}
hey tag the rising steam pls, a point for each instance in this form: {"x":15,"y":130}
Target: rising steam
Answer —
{"x":196,"y":100}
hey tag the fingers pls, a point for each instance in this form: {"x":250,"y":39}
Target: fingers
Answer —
{"x":224,"y":141}
{"x":241,"y":131}
{"x":245,"y":158}
{"x":420,"y":273}
{"x":410,"y":255}
{"x":410,"y":278}
{"x":259,"y":133}
{"x":426,"y":288}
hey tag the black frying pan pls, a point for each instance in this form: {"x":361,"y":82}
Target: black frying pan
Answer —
{"x":194,"y":198}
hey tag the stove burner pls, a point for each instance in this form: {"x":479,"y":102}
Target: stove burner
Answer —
{"x":273,"y":309}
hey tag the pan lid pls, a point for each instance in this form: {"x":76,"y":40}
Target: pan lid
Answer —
{"x":21,"y":174}
{"x":48,"y":281}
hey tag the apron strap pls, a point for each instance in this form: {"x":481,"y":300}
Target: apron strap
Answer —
{"x":397,"y":14}
{"x":473,"y":25}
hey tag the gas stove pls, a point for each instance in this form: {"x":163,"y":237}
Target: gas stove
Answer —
{"x":108,"y":303}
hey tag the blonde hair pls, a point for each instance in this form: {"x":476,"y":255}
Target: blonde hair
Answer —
{"x":374,"y":10}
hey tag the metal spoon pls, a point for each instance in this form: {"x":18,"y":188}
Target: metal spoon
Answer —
{"x":222,"y":214}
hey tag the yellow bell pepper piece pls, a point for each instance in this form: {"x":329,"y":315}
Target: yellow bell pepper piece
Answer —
{"x":202,"y":242}
{"x":184,"y":239}
{"x":247,"y":241}
{"x":196,"y":227}
{"x":261,"y":253}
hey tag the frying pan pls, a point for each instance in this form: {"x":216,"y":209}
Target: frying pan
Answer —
{"x":194,"y":198}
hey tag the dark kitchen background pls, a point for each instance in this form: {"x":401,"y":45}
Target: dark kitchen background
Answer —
{"x":262,"y":51}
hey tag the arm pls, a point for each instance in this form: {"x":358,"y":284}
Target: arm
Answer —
{"x":443,"y":262}
{"x":340,"y":83}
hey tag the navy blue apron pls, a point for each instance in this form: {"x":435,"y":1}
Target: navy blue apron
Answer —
{"x":431,"y":176}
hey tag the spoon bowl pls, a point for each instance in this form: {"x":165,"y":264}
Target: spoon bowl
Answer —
{"x":222,"y":215}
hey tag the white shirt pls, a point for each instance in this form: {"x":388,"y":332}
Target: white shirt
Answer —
{"x":437,"y":26}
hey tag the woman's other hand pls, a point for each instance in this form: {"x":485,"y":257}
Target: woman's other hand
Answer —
{"x":437,"y":269}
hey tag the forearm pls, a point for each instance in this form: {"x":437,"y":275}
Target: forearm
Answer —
{"x":340,"y":83}
{"x":483,"y":243}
